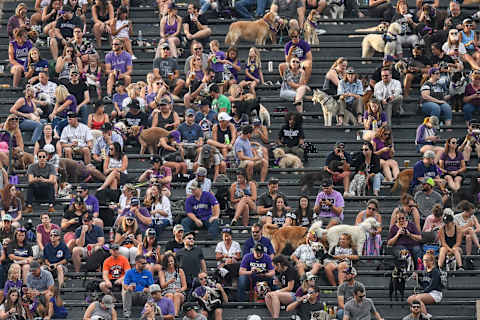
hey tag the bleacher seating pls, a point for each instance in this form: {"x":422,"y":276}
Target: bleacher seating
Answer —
{"x":463,"y":287}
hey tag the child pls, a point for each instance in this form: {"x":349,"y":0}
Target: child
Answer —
{"x":253,"y":70}
{"x":118,"y":101}
{"x":13,"y":279}
{"x":56,"y":309}
{"x":122,"y":29}
{"x":216,"y":61}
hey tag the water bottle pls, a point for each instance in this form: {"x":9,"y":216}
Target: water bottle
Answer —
{"x":374,"y":125}
{"x":227,"y":139}
{"x":140,"y":38}
{"x":111,"y":235}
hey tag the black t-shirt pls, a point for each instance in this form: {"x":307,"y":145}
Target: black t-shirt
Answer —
{"x":127,"y":241}
{"x":70,"y":215}
{"x":66,"y":26}
{"x":192,"y":26}
{"x":173,"y":246}
{"x":42,"y":143}
{"x":421,"y":61}
{"x":290,"y":136}
{"x":139,"y":119}
{"x":287,"y":276}
{"x":24,"y":251}
{"x":266,"y":200}
{"x":446,"y":59}
{"x":189,"y":261}
{"x":304,"y":310}
{"x":78,"y":90}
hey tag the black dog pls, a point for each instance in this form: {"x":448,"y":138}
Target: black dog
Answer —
{"x":308,"y":180}
{"x":397,"y":283}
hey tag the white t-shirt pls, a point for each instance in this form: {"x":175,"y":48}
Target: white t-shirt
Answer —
{"x":165,"y":206}
{"x":48,"y":90}
{"x":446,"y":48}
{"x":81,"y":134}
{"x":234,"y":248}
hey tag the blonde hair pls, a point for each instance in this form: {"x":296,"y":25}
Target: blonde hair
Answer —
{"x":258,"y":60}
{"x":338,"y":62}
{"x":19,"y":7}
{"x":61,"y":93}
{"x":13,"y":270}
{"x":132,"y":90}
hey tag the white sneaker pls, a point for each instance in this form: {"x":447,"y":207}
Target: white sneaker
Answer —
{"x":134,"y":58}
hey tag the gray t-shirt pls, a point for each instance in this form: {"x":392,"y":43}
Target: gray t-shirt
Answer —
{"x":165,"y":66}
{"x":288,"y":8}
{"x":45,"y":172}
{"x":426,"y":202}
{"x":346,"y":291}
{"x":99,"y":311}
{"x":362,"y":311}
{"x":42,"y":282}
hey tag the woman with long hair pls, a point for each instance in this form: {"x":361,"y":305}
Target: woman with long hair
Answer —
{"x":228,"y":254}
{"x":50,"y":14}
{"x":304,"y":213}
{"x":14,"y":306}
{"x":173,"y":281}
{"x":343,"y":254}
{"x":452,"y":164}
{"x":160,"y":207}
{"x":407,"y":207}
{"x":243,"y":194}
{"x":384,"y":149}
{"x":336,"y":73}
{"x":33,"y":65}
{"x":294,"y":85}
{"x":102,"y":15}
{"x":435,"y":97}
{"x":11,"y":131}
{"x":66,"y":63}
{"x":373,"y":243}
{"x":115,"y":168}
{"x":14,"y":280}
{"x":456,"y":49}
{"x":26,"y":109}
{"x":11,"y":204}
{"x":279,"y":216}
{"x":18,"y":20}
{"x":468,"y":223}
{"x":373,"y":118}
{"x":64,"y":102}
{"x":367,"y":162}
{"x":128,"y":236}
{"x":469,"y":38}
{"x":47,"y":138}
{"x":17,"y":54}
{"x":71,"y":220}
{"x":150,"y":248}
{"x":224,"y":134}
{"x":122,"y":28}
{"x":291,"y":136}
{"x":253,"y":70}
{"x":427,"y":136}
{"x":232,"y":67}
{"x":170,"y":27}
{"x":97,"y":119}
{"x":450,"y":237}
{"x":20,"y":251}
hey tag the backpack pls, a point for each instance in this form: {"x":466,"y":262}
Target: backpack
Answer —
{"x":96,"y":260}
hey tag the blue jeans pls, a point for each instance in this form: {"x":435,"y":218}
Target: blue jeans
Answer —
{"x":377,"y":181}
{"x":212,"y":228}
{"x":58,"y":124}
{"x":435,"y":109}
{"x":159,"y":227}
{"x":204,"y":6}
{"x":416,"y":252}
{"x":83,"y":113}
{"x":246,"y":282}
{"x":35,"y":126}
{"x":468,"y":110}
{"x":340,"y":314}
{"x":242,"y":10}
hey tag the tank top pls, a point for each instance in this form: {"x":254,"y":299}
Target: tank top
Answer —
{"x":467,"y":38}
{"x":101,"y":17}
{"x":453,"y":239}
{"x":97,"y":125}
{"x":246,"y":191}
{"x":27,"y":107}
{"x":124,"y":32}
{"x":379,"y":144}
{"x":115,"y":164}
{"x":162,"y":122}
{"x":99,"y":311}
{"x":329,"y":87}
{"x":174,"y":285}
{"x":222,"y":133}
{"x":170,"y":28}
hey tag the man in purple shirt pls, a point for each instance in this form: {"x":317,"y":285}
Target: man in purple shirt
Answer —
{"x":118,"y":66}
{"x":91,"y":202}
{"x":256,"y":266}
{"x":158,"y":301}
{"x":297,"y":48}
{"x":202,"y":210}
{"x":329,"y":204}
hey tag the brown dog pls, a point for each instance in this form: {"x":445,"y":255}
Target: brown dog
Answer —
{"x":21,"y":159}
{"x":150,"y":138}
{"x":280,"y":237}
{"x":403,"y":180}
{"x":309,"y":27}
{"x":254,"y":31}
{"x":76,"y":171}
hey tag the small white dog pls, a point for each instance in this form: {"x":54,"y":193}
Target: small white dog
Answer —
{"x":287,"y":160}
{"x":385,"y":43}
{"x":358,"y":233}
{"x":358,"y":186}
{"x":450,"y":262}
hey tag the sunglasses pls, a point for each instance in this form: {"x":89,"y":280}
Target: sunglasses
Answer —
{"x":202,"y":278}
{"x":130,"y":219}
{"x":115,"y":44}
{"x":42,"y":157}
{"x":255,"y":232}
{"x":453,"y":142}
{"x":416,"y":307}
{"x":295,"y":61}
{"x":189,"y":238}
{"x":295,"y":37}
{"x":365,"y":149}
{"x":14,"y":119}
{"x":401,"y":219}
{"x":54,"y":235}
{"x":372,"y":208}
{"x":197,"y":49}
{"x":166,"y":49}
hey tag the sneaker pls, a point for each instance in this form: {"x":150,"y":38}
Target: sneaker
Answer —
{"x":460,"y":268}
{"x":29,"y":209}
{"x":126,"y":314}
{"x":245,"y":231}
{"x":134,"y":57}
{"x":107,"y":99}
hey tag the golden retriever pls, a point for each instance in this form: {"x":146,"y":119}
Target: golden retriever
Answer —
{"x":253,"y":31}
{"x":293,"y":235}
{"x":385,"y":43}
{"x":403,"y":180}
{"x":150,"y":138}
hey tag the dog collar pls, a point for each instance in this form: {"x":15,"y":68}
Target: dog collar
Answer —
{"x":324,"y":100}
{"x":313,"y":24}
{"x":272,"y":28}
{"x":388,"y":37}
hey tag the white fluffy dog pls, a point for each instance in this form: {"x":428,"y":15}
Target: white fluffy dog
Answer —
{"x":358,"y":233}
{"x":386,"y":43}
{"x":287,"y":160}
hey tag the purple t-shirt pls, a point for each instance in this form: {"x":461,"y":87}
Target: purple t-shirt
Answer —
{"x":20,"y":53}
{"x":12,"y":284}
{"x":166,"y":305}
{"x":254,"y":71}
{"x":72,"y":107}
{"x":379,"y":144}
{"x":301,"y":50}
{"x":232,"y":69}
{"x":249,"y":262}
{"x":337,"y":200}
{"x":218,"y":66}
{"x":452,"y":164}
{"x":380,"y":121}
{"x":120,"y":61}
{"x":91,"y":202}
{"x":118,"y":99}
{"x":469,"y":90}
{"x":404,"y":240}
{"x":202,"y":208}
{"x":144,"y":211}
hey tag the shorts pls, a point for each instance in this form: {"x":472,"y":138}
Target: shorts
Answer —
{"x":436,"y":295}
{"x":64,"y":267}
{"x":339,"y":177}
{"x":243,"y":164}
{"x":218,"y":77}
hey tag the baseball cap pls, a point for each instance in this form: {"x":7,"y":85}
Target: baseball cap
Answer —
{"x":273,"y":181}
{"x":190,"y":233}
{"x":194,"y":185}
{"x":434,"y":121}
{"x":130,"y":215}
{"x":429,"y":154}
{"x":177,"y":228}
{"x":188,"y":307}
{"x":227,"y":230}
{"x":48,"y":148}
{"x":164,"y":45}
{"x":7,"y":217}
{"x":155,"y":288}
{"x":134,"y":202}
{"x":67,"y":8}
{"x":34,"y":265}
{"x":201,"y":171}
{"x":388,"y":58}
{"x":310,"y":276}
{"x":155,"y":159}
{"x":151,"y":232}
{"x":339,"y":144}
{"x":72,"y":114}
{"x":107,"y":126}
{"x":350,"y":70}
{"x":327,"y":183}
{"x":351,"y":270}
{"x":107,"y":300}
{"x":429,"y":181}
{"x":467,"y":21}
{"x":189,"y":112}
{"x":54,"y":232}
{"x":172,"y":5}
{"x":247,"y":129}
{"x":164,"y":101}
{"x":223,"y":116}
{"x":259,"y":247}
{"x":433,"y":70}
{"x":114,"y":246}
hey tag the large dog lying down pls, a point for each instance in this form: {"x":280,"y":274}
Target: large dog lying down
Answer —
{"x":76,"y":171}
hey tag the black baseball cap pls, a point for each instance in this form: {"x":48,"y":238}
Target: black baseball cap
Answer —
{"x":72,"y":114}
{"x":259,"y":248}
{"x":107,"y":126}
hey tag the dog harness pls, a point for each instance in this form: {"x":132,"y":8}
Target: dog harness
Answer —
{"x":271,"y":26}
{"x":388,"y":37}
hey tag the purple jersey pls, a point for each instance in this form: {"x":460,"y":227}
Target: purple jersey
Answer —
{"x":300,"y":51}
{"x":119,"y":62}
{"x":20,"y":53}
